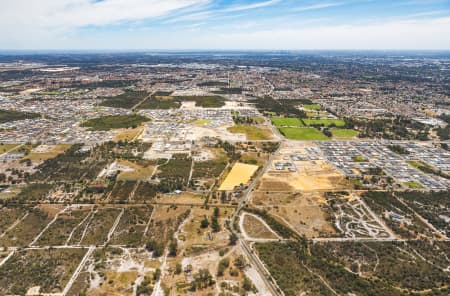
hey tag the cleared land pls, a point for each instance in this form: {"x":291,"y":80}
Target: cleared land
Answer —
{"x":138,"y":172}
{"x":251,"y":132}
{"x":307,"y":213}
{"x":51,"y":153}
{"x":239,"y":174}
{"x":308,"y":176}
{"x":255,"y":228}
{"x":306,"y":134}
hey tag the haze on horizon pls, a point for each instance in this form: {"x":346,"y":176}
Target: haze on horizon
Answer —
{"x":224,"y":24}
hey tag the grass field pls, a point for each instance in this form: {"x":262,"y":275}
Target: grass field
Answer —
{"x":128,"y":134}
{"x":239,"y":174}
{"x":10,"y":115}
{"x":6,"y":147}
{"x":306,"y":134}
{"x":324,"y":122}
{"x":139,"y":172}
{"x":413,"y":185}
{"x":56,"y":150}
{"x":312,"y":107}
{"x":202,"y":121}
{"x":286,"y":121}
{"x":113,"y":122}
{"x":251,"y":132}
{"x":343,"y":133}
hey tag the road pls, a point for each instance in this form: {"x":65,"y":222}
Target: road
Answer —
{"x":253,"y":258}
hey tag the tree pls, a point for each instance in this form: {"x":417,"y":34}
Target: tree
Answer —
{"x":204,"y":223}
{"x":202,"y":279}
{"x":155,"y":247}
{"x":233,"y":239}
{"x":173,"y":248}
{"x":157,"y":274}
{"x":215,"y":220}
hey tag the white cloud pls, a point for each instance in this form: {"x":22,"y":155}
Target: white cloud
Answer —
{"x":407,"y":34}
{"x":78,"y":13}
{"x":251,"y":6}
{"x":318,"y":6}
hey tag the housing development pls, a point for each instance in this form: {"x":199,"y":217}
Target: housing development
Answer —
{"x":225,"y":173}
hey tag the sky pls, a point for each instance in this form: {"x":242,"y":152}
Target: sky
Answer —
{"x":224,"y":24}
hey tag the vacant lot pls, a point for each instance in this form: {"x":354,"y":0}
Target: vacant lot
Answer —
{"x":60,"y":230}
{"x":253,"y":133}
{"x":48,"y":269}
{"x":52,"y":152}
{"x":306,"y":134}
{"x":29,"y":227}
{"x":94,"y":230}
{"x":308,"y":176}
{"x":255,"y":228}
{"x":131,"y":227}
{"x":138,"y":173}
{"x":307,"y":213}
{"x":9,"y":216}
{"x":286,"y":121}
{"x":239,"y":174}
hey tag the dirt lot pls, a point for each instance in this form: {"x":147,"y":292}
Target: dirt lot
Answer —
{"x":255,"y":228}
{"x":310,"y":175}
{"x":304,"y":212}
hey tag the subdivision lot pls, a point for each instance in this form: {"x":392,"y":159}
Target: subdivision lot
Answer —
{"x":30,"y":226}
{"x":255,"y":228}
{"x":95,"y":229}
{"x":59,"y":232}
{"x":303,"y":176}
{"x":11,"y":215}
{"x":132,"y":225}
{"x":46,"y":271}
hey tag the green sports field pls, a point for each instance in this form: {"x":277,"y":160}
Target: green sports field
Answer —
{"x":305,"y":134}
{"x":343,"y":133}
{"x":312,"y":107}
{"x":286,"y":121}
{"x":324,"y":122}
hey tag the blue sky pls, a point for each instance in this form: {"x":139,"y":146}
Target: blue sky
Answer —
{"x":224,"y":24}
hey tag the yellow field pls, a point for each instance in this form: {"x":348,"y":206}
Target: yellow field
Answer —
{"x":138,"y":173}
{"x":7,"y":147}
{"x":239,"y":174}
{"x":128,"y":134}
{"x":57,"y":149}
